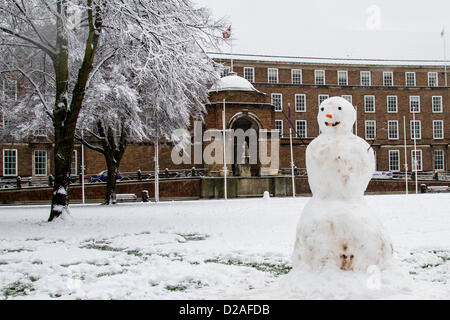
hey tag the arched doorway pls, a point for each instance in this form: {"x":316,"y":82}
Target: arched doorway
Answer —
{"x":246,"y":149}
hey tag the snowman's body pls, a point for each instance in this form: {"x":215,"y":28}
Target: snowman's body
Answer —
{"x":337,"y":227}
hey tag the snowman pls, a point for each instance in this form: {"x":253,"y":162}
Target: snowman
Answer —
{"x":337,"y":228}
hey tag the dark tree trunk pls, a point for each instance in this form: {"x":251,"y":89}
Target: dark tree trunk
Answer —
{"x":65,"y":117}
{"x":113,"y":150}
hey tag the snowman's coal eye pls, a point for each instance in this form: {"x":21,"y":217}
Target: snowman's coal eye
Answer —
{"x":321,"y":109}
{"x":339,"y":108}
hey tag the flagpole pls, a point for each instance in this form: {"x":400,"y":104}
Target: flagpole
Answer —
{"x":224,"y":154}
{"x":445,"y":57}
{"x":406,"y":155}
{"x":231,"y":41}
{"x":415,"y":150}
{"x":292,"y":154}
{"x":82,"y":169}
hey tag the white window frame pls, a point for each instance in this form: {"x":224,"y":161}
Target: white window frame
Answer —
{"x":410,"y":104}
{"x":366,"y":110}
{"x":413,"y":165}
{"x":345,"y":72}
{"x":384,"y":78}
{"x":299,"y":108}
{"x":396,"y":131}
{"x":269,"y":80}
{"x":438,"y":98}
{"x":435,"y":74}
{"x":73,"y":164}
{"x":367,"y":122}
{"x":5,"y":82}
{"x":281,"y":101}
{"x":316,"y":77}
{"x":16,"y":173}
{"x":412,"y":129}
{"x":252,"y":74}
{"x":281,"y":129}
{"x":396,"y":104}
{"x":323,"y":96}
{"x":348,"y":97}
{"x":369,"y":78}
{"x":441,"y":136}
{"x":394,"y":162}
{"x":293,"y":76}
{"x":442,"y":158}
{"x":406,"y":79}
{"x":45,"y":163}
{"x":297,"y":122}
{"x":225,"y":71}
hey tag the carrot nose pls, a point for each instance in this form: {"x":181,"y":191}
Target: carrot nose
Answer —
{"x":328,"y":116}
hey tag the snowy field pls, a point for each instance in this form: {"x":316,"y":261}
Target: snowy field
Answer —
{"x":215,"y":249}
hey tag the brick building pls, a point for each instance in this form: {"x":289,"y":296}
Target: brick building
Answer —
{"x":384,"y":94}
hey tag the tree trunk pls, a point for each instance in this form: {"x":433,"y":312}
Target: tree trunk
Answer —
{"x":110,"y":193}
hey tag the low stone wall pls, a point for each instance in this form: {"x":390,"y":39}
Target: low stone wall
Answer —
{"x":201,"y":187}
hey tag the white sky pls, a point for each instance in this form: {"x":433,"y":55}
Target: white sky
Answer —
{"x":391,"y":29}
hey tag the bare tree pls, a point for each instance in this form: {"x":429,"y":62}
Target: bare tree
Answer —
{"x":75,"y":38}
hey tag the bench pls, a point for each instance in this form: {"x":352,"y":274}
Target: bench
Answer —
{"x":437,"y":188}
{"x":125,"y":196}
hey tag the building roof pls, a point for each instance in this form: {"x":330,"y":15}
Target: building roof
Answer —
{"x":233,"y":82}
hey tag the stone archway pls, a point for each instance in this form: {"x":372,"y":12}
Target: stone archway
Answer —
{"x":245,"y":120}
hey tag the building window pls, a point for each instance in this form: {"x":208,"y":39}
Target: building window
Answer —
{"x":9,"y":90}
{"x":439,"y":160}
{"x":10,"y":162}
{"x":416,"y":160}
{"x":249,"y":74}
{"x":365,"y":78}
{"x":414,"y":104}
{"x":300,"y":103}
{"x":277,"y":101}
{"x":319,"y":76}
{"x":322,"y":97}
{"x":394,"y":160}
{"x":437,"y":104}
{"x":342,"y":77}
{"x":40,"y":162}
{"x":371,"y":129}
{"x":438,"y":129}
{"x":272,"y":75}
{"x":388,"y":78}
{"x":296,"y":76}
{"x":410,"y":79}
{"x":300,"y":127}
{"x":432,"y":79}
{"x":225,"y":71}
{"x":347,"y":97}
{"x":415,"y":129}
{"x":73,"y":164}
{"x":40,"y":132}
{"x":392,"y":129}
{"x":392,"y":104}
{"x":279,"y":126}
{"x":369,"y":104}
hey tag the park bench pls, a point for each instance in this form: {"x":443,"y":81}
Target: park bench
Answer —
{"x":125,"y":196}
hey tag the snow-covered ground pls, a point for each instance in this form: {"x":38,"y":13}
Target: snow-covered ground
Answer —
{"x":214,"y":249}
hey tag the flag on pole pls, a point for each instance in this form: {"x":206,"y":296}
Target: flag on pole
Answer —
{"x":442,"y":32}
{"x":227,"y":34}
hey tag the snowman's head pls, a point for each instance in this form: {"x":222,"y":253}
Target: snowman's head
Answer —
{"x":336,"y":116}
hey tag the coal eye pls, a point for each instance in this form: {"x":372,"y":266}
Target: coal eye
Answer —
{"x":321,"y":109}
{"x":339,"y":108}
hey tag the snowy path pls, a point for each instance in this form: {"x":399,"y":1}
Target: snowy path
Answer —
{"x":238,"y":249}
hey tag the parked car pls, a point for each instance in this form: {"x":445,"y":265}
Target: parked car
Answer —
{"x":103,"y":176}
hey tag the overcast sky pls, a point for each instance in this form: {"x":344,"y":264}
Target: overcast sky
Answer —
{"x":392,"y":29}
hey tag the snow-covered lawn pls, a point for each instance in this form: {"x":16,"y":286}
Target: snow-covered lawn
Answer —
{"x":214,"y":249}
